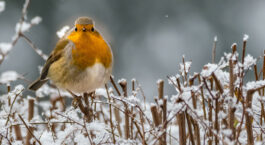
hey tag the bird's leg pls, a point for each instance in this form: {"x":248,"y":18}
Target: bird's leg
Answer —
{"x":86,"y":95}
{"x":92,"y":96}
{"x":89,"y":105}
{"x":76,"y":100}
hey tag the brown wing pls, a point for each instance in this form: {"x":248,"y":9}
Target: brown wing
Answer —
{"x":54,"y":56}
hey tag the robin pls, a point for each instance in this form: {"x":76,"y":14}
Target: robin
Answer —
{"x":80,"y":62}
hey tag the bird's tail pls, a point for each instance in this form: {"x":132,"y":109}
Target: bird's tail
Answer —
{"x":37,"y":84}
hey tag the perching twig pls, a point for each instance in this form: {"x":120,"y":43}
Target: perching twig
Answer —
{"x":29,"y":130}
{"x":110,"y":113}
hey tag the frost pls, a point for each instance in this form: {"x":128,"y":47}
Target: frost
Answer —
{"x":133,"y":79}
{"x":249,"y":111}
{"x":187,"y":67}
{"x":17,"y":143}
{"x":259,"y":143}
{"x":19,"y":88}
{"x":5,"y":47}
{"x":233,"y":45}
{"x":30,"y":98}
{"x":36,"y":20}
{"x":255,"y":84}
{"x":9,"y":76}
{"x":159,"y":81}
{"x":62,"y":31}
{"x":133,"y":100}
{"x":46,"y":138}
{"x":45,"y":90}
{"x":80,"y":139}
{"x":96,"y":126}
{"x":215,"y":39}
{"x":173,"y":79}
{"x":227,"y":132}
{"x":222,"y":76}
{"x":22,"y":27}
{"x":246,"y":37}
{"x":160,"y":102}
{"x":249,"y":61}
{"x":222,"y":115}
{"x":122,"y":81}
{"x":2,"y":6}
{"x":208,"y":69}
{"x":101,"y":92}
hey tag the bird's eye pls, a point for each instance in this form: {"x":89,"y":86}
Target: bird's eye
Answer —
{"x":84,"y":29}
{"x":75,"y":29}
{"x":92,"y":29}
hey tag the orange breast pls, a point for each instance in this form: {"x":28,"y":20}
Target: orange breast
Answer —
{"x":90,"y":48}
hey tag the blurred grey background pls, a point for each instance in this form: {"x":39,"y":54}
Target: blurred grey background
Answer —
{"x":148,"y":37}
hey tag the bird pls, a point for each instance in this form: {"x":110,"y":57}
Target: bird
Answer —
{"x":81,"y":61}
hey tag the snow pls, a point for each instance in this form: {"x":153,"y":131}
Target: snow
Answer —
{"x":45,"y":57}
{"x":173,"y":79}
{"x":62,"y":31}
{"x":249,"y":61}
{"x":46,"y":138}
{"x":208,"y":69}
{"x":9,"y":76}
{"x":233,"y":45}
{"x":2,"y":6}
{"x":187,"y":67}
{"x":133,"y":100}
{"x":101,"y":92}
{"x":159,"y":81}
{"x":227,"y":132}
{"x":222,"y":115}
{"x":19,"y":88}
{"x":22,"y":27}
{"x":123,"y":80}
{"x":5,"y":47}
{"x":215,"y":39}
{"x":255,"y":84}
{"x":97,"y":126}
{"x":249,"y":111}
{"x":36,"y":20}
{"x":81,"y":139}
{"x":44,"y":91}
{"x":30,"y":98}
{"x":133,"y":79}
{"x":160,"y":102}
{"x":246,"y":37}
{"x":17,"y":143}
